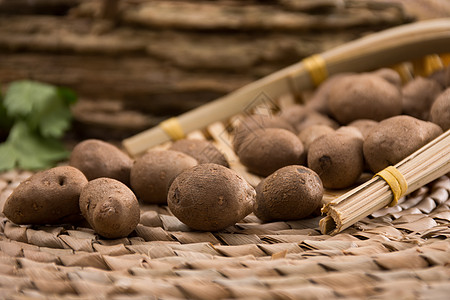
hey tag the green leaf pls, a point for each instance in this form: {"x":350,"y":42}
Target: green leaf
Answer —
{"x":8,"y":157}
{"x":32,"y":151}
{"x":27,"y":97}
{"x":5,"y":121}
{"x":45,"y":107}
{"x":67,"y":95}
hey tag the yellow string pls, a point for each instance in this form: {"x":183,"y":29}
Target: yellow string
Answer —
{"x":316,"y":67}
{"x":396,"y":182}
{"x":173,"y":128}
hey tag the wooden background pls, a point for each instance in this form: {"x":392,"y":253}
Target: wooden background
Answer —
{"x":134,"y":63}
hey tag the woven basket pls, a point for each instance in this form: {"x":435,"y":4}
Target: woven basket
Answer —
{"x":401,"y":252}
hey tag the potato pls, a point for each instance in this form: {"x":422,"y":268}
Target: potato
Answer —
{"x":254,"y":122}
{"x":442,"y":77}
{"x":364,"y":126}
{"x":395,"y":138}
{"x":210,"y":197}
{"x":203,"y":151}
{"x":290,"y":193}
{"x":311,"y":133}
{"x":337,"y":158}
{"x":315,"y":118}
{"x":364,"y":96}
{"x":440,"y":110}
{"x":47,"y":197}
{"x":152,"y":174}
{"x":295,"y":114}
{"x":110,"y":207}
{"x":96,"y":159}
{"x":353,"y":131}
{"x":418,"y":96}
{"x":266,"y":150}
{"x":390,"y":76}
{"x":319,"y":101}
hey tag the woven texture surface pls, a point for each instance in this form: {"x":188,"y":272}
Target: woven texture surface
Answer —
{"x":399,"y":252}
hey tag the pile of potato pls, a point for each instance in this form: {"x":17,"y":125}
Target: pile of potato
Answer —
{"x":352,"y":124}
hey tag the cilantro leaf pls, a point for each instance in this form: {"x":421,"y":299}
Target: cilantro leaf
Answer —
{"x":45,"y":107}
{"x":27,"y":150}
{"x":27,"y":97}
{"x":8,"y":157}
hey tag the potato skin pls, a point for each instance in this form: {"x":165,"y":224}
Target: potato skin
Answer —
{"x":255,"y":122}
{"x":96,"y":158}
{"x":395,"y":138}
{"x":418,"y":96}
{"x":440,"y":110}
{"x":203,"y":151}
{"x":266,"y":150}
{"x":311,"y":133}
{"x":290,"y":193}
{"x":47,"y":197}
{"x":152,"y":174}
{"x":364,"y":96}
{"x":337,"y":158}
{"x":110,"y":207}
{"x":210,"y":197}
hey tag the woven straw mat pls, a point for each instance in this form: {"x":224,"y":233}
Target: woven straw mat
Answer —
{"x":401,"y":252}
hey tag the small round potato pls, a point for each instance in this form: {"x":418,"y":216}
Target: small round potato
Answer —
{"x":255,"y":122}
{"x":47,"y":197}
{"x":295,"y":114}
{"x":337,"y":158}
{"x":440,"y":110}
{"x":364,"y":96}
{"x":110,"y":207}
{"x":290,"y":193}
{"x":395,"y":138}
{"x":418,"y":96}
{"x":319,"y":100}
{"x":210,"y":197}
{"x":152,"y":174}
{"x":364,"y":126}
{"x":266,"y":150}
{"x":96,"y":158}
{"x":390,"y":76}
{"x":311,"y":133}
{"x":203,"y":151}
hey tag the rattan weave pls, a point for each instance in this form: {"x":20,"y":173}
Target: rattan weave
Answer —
{"x":402,"y":252}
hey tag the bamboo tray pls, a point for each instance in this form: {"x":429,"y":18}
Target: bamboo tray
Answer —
{"x":400,"y":252}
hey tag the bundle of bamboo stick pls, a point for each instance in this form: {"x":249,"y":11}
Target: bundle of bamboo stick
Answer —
{"x":423,"y":166}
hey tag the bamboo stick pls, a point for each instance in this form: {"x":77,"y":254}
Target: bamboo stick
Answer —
{"x":423,"y":166}
{"x":377,"y":50}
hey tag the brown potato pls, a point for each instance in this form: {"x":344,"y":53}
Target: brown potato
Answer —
{"x":266,"y":150}
{"x":337,"y":158}
{"x":210,"y":197}
{"x":110,"y":207}
{"x":315,"y":118}
{"x":290,"y":193}
{"x":152,"y":174}
{"x":311,"y":133}
{"x":255,"y":122}
{"x":203,"y":151}
{"x":364,"y":126}
{"x":295,"y":114}
{"x":390,"y":76}
{"x":395,"y":138}
{"x":440,"y":110}
{"x":418,"y":96}
{"x":47,"y":197}
{"x":364,"y":96}
{"x":319,"y":100}
{"x":96,"y":159}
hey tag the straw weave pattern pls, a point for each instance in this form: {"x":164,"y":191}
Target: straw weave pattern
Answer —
{"x":398,"y":252}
